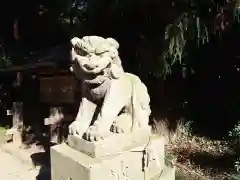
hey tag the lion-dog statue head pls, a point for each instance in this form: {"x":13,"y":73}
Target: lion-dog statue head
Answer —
{"x":95,"y":59}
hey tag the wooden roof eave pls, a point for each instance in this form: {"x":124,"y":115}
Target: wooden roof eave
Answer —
{"x":29,"y":67}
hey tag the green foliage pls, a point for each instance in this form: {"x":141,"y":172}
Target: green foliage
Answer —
{"x":197,"y":22}
{"x":184,"y":128}
{"x":235,"y":132}
{"x":235,"y":139}
{"x":193,"y":26}
{"x":237,"y":165}
{"x":235,"y":177}
{"x":236,"y":13}
{"x":5,"y":60}
{"x":2,"y":131}
{"x":187,"y":28}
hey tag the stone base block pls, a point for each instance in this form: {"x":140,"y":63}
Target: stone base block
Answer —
{"x":111,"y":145}
{"x":70,"y":164}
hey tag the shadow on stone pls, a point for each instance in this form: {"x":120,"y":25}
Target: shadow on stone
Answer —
{"x":42,"y":159}
{"x":44,"y":174}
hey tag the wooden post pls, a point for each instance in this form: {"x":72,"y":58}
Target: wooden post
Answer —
{"x":55,"y":122}
{"x":17,"y":123}
{"x":17,"y":116}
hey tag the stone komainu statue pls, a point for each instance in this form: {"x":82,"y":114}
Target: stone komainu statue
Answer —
{"x":112,"y":100}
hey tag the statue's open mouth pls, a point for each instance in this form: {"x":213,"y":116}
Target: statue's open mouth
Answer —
{"x":96,"y":70}
{"x":98,"y":78}
{"x":93,"y":75}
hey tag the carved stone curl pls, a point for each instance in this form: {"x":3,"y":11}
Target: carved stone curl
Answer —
{"x":122,"y":99}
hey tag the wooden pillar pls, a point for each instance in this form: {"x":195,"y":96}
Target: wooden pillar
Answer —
{"x":55,"y":122}
{"x":17,"y":123}
{"x":17,"y":116}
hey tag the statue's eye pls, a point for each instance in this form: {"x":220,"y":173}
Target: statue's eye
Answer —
{"x":100,"y":50}
{"x":102,"y":55}
{"x":83,"y":53}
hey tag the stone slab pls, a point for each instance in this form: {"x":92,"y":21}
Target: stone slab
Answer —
{"x":111,"y":145}
{"x":68,"y":163}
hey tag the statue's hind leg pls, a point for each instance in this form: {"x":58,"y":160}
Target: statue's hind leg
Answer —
{"x":122,"y":124}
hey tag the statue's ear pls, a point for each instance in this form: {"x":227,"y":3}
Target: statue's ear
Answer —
{"x":113,"y":42}
{"x":75,"y":41}
{"x":116,"y":71}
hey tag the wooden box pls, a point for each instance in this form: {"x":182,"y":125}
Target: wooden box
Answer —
{"x":57,"y":89}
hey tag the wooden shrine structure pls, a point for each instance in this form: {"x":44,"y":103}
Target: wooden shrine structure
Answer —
{"x":56,"y":96}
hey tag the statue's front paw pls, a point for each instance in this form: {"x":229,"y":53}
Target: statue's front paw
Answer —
{"x":95,"y":134}
{"x":76,"y":128}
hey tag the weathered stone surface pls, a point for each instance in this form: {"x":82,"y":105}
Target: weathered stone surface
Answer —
{"x":67,"y":163}
{"x":113,"y":144}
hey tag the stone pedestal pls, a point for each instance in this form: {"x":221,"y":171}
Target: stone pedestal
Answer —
{"x":113,"y":144}
{"x":133,"y":162}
